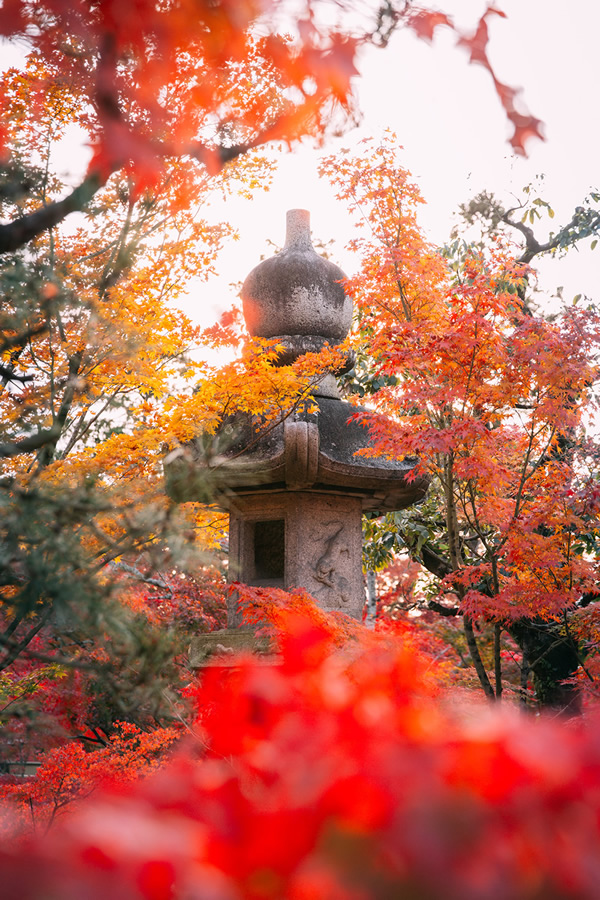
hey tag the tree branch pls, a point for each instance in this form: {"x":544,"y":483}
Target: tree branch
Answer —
{"x":435,"y":564}
{"x":20,"y":339}
{"x":49,"y":447}
{"x":533,"y":246}
{"x":477,"y":660}
{"x":14,"y":648}
{"x":7,"y":374}
{"x":15,"y":235}
{"x":442,"y":610}
{"x":31,"y":443}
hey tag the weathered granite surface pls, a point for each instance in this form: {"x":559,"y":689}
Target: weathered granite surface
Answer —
{"x":221,"y":648}
{"x":305,"y":539}
{"x":297,"y":294}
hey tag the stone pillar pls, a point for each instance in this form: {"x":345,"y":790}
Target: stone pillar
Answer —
{"x":299,"y":539}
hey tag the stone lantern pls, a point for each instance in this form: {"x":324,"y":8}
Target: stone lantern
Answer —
{"x":296,"y":493}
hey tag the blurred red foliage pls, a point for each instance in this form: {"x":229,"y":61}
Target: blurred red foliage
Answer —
{"x":335,"y":774}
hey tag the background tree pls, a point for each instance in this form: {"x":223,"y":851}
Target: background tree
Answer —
{"x":99,"y":376}
{"x":94,"y":353}
{"x":493,"y":400}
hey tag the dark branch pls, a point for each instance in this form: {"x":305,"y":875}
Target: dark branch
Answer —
{"x":560,"y":239}
{"x":15,"y":235}
{"x":15,"y":648}
{"x":31,"y":443}
{"x":446,"y":611}
{"x":20,"y":339}
{"x":532,"y":245}
{"x":49,"y":446}
{"x":7,"y":374}
{"x":435,"y":564}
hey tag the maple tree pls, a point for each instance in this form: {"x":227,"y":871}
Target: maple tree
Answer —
{"x":69,"y":774}
{"x":89,"y":680}
{"x":407,"y":597}
{"x":94,"y":357}
{"x":491,"y":399}
{"x":92,"y":346}
{"x":149,"y":75}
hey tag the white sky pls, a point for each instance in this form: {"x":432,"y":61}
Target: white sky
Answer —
{"x":454,"y":132}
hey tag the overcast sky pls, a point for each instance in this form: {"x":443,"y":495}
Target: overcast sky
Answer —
{"x":454,"y":134}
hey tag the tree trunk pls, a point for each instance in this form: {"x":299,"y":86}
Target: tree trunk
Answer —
{"x":477,"y":660}
{"x":552,"y":657}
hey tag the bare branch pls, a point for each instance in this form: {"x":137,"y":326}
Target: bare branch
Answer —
{"x":446,"y":611}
